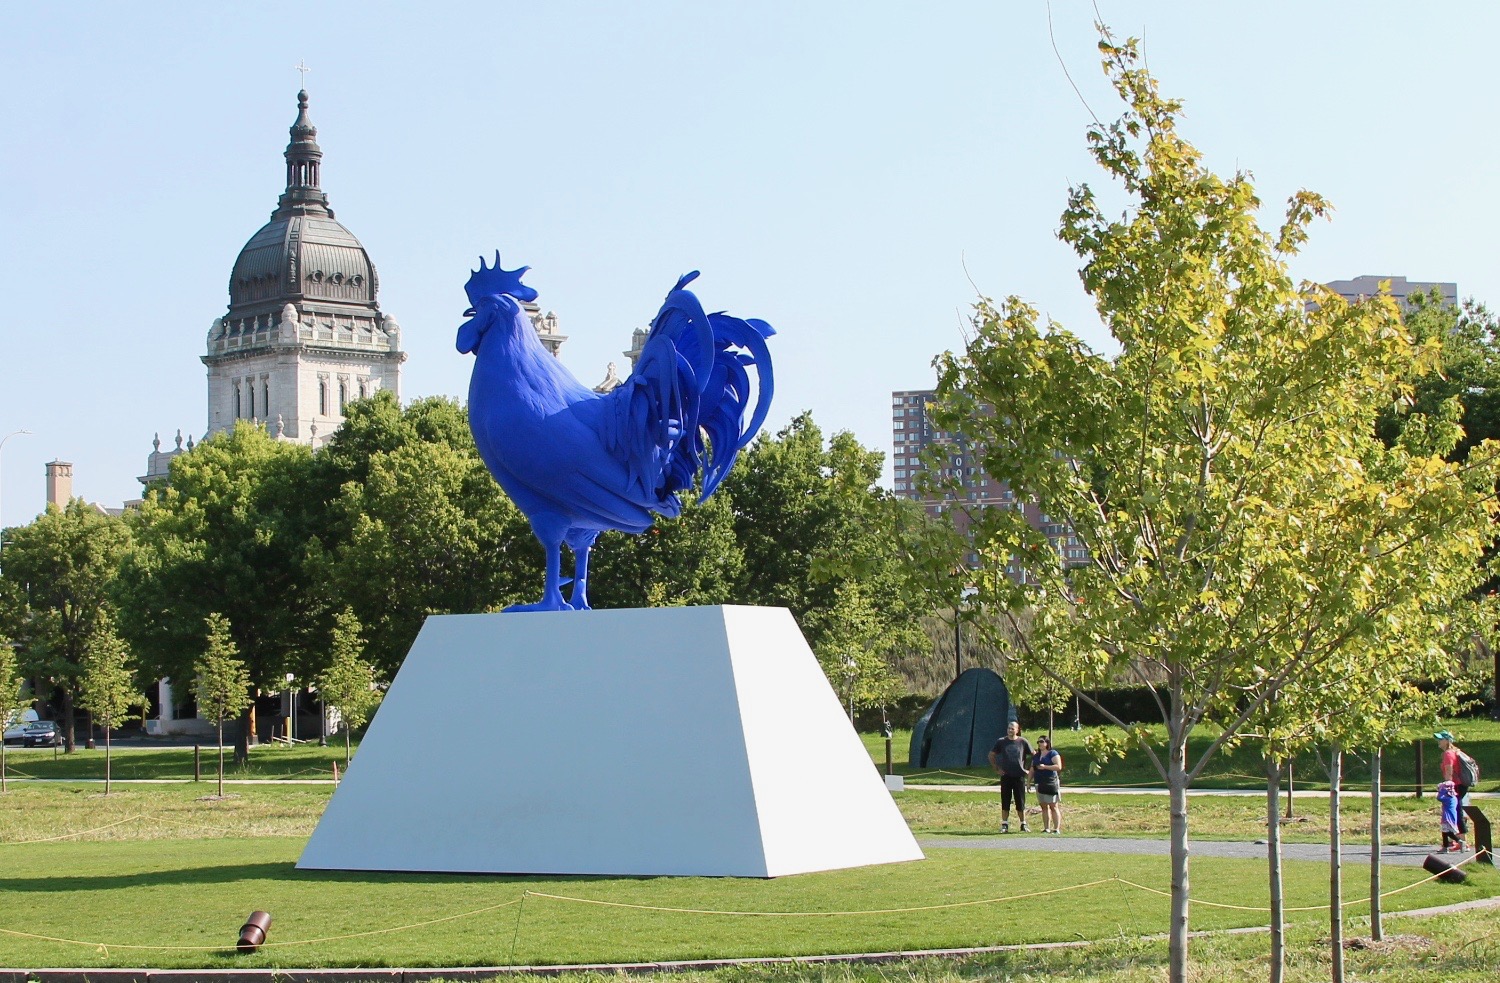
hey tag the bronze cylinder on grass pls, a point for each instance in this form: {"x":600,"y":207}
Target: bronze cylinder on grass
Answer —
{"x":253,"y":932}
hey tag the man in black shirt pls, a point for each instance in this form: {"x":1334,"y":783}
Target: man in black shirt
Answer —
{"x":1011,"y":757}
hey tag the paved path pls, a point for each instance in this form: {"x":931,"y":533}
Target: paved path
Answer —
{"x":1258,"y":793}
{"x":1401,"y":855}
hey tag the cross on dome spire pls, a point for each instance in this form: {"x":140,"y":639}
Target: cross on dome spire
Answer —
{"x":304,"y":161}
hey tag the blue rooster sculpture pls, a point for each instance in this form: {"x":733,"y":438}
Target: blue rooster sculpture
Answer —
{"x":577,"y":462}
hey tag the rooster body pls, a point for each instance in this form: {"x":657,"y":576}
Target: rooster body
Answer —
{"x":577,"y":462}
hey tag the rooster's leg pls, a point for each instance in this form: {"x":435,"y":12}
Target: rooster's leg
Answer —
{"x":581,"y":541}
{"x":549,"y":531}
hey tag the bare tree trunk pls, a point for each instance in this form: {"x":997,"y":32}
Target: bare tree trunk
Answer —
{"x":221,"y":755}
{"x":347,"y":752}
{"x":1335,"y":865}
{"x":1177,"y":783}
{"x":2,"y":766}
{"x":1273,"y":858}
{"x":1376,"y":931}
{"x":1484,"y":650}
{"x":69,"y":719}
{"x":106,"y":757}
{"x":247,"y":733}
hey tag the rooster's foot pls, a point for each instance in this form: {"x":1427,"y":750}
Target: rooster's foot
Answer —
{"x":542,"y":605}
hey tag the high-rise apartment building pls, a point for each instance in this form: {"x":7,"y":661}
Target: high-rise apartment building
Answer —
{"x":1401,"y":288}
{"x":912,"y":435}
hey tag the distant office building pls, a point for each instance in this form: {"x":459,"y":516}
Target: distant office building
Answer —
{"x":1401,"y":288}
{"x":913,"y":433}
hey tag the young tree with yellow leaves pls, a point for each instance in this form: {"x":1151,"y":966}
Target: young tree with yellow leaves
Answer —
{"x":1245,"y":529}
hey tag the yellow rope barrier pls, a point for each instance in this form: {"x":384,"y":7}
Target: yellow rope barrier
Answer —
{"x":105,"y":946}
{"x":178,"y":822}
{"x":66,"y":836}
{"x":1321,"y":907}
{"x":818,"y":914}
{"x":120,"y":822}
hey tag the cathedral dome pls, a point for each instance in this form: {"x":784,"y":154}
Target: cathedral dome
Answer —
{"x":302,"y":257}
{"x":302,"y":253}
{"x":304,"y":335}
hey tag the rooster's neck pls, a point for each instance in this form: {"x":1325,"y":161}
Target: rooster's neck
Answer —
{"x":512,"y":364}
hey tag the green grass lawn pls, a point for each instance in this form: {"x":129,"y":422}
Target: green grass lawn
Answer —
{"x":33,"y":811}
{"x":1239,"y":768}
{"x":1403,"y":820}
{"x":304,"y":761}
{"x":168,"y":865}
{"x":194,"y":894}
{"x":1463,"y":947}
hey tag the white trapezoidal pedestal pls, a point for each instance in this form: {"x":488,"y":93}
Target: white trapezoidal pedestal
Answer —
{"x":676,"y":741}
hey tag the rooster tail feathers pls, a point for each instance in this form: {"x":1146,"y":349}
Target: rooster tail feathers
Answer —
{"x":692,"y":382}
{"x":739,"y":344}
{"x":682,"y":323}
{"x":749,"y":335}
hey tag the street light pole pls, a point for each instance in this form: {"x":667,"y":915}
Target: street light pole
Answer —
{"x":958,"y":668}
{"x":851,"y":669}
{"x":963,"y":600}
{"x":13,"y":433}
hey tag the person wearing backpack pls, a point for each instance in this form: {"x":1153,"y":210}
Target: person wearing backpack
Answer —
{"x":1463,"y":771}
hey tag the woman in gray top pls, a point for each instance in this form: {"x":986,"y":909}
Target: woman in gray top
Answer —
{"x":1046,"y":765}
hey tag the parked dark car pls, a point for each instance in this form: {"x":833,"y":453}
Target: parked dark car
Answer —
{"x":42,"y":733}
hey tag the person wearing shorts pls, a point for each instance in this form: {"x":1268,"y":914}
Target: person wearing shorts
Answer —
{"x":1011,"y":757}
{"x":1046,"y":767}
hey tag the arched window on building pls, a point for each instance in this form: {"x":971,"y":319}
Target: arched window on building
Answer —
{"x":323,"y":397}
{"x":362,"y":392}
{"x":343,"y":394}
{"x":265,"y":398}
{"x":239,"y":409}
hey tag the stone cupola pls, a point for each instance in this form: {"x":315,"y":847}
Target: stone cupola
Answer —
{"x":303,"y":334}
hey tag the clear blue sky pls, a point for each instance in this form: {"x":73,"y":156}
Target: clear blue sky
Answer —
{"x":843,"y":170}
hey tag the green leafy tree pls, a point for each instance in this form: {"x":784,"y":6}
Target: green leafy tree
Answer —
{"x":64,"y":566}
{"x":13,"y":695}
{"x":807,"y":516}
{"x":1466,"y":389}
{"x":379,"y":425}
{"x":430,"y":532}
{"x":221,"y":682}
{"x":108,"y":688}
{"x":348,"y":685}
{"x":853,"y":649}
{"x":231,"y":535}
{"x":1459,"y":407}
{"x":1376,"y":677}
{"x":692,"y":559}
{"x":1245,"y":528}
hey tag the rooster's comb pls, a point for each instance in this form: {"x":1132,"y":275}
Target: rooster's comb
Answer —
{"x":487,"y":281}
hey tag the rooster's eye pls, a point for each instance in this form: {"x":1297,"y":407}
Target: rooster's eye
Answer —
{"x":470,"y":312}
